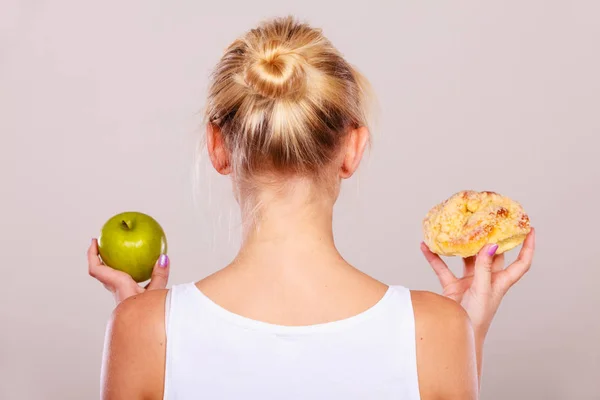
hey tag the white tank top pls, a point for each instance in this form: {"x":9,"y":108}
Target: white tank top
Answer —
{"x":216,"y":354}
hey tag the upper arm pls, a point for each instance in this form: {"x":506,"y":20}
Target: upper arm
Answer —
{"x":446,"y":361}
{"x":134,"y":349}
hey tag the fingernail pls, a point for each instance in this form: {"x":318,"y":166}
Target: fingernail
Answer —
{"x":163,"y":261}
{"x":492,"y":250}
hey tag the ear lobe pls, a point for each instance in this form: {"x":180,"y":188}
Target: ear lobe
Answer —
{"x":356,"y":143}
{"x":218,"y":153}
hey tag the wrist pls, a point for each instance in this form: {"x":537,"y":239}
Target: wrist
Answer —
{"x":479,"y":336}
{"x":480,"y":333}
{"x":120,"y":295}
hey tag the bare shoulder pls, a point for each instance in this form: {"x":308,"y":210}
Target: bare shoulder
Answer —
{"x":431,"y":307}
{"x":134,"y":355}
{"x":140,"y":317}
{"x":139,"y":321}
{"x":148,"y":304}
{"x":446,"y":361}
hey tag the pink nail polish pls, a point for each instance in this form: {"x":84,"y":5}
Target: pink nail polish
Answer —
{"x":163,"y":261}
{"x":492,"y":250}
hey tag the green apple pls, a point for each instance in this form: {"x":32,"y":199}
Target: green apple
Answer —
{"x":132,"y":242}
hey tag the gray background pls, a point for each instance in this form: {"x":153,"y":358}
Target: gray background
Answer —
{"x":100,"y":111}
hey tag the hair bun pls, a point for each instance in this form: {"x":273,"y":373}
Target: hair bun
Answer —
{"x":284,"y":97}
{"x":276,"y":72}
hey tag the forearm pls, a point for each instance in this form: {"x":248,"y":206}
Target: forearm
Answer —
{"x":479,"y":342}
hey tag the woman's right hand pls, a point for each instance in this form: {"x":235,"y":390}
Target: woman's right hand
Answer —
{"x":485,"y":281}
{"x":120,"y":284}
{"x":483,"y":285}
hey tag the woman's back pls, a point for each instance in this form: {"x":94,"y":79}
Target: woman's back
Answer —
{"x":360,"y":339}
{"x":221,"y":354}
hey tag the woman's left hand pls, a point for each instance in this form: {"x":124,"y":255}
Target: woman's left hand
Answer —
{"x":484,"y":283}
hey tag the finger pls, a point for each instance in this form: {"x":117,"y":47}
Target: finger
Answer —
{"x":108,"y":276}
{"x":160,"y":274}
{"x":92,"y":254}
{"x":498,"y":263}
{"x":468,"y":266}
{"x":517,"y":269}
{"x":482,"y":281}
{"x":440,"y":268}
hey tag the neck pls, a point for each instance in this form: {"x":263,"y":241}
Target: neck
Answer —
{"x":287,"y":228}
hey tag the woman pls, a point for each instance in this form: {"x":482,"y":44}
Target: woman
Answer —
{"x":289,"y":318}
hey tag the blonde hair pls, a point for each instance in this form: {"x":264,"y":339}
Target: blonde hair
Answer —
{"x":283,"y":98}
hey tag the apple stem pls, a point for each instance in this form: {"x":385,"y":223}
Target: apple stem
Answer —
{"x":126,"y":225}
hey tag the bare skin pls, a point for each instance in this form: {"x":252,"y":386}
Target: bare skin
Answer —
{"x":135,"y":348}
{"x":289,"y":272}
{"x":482,"y":286}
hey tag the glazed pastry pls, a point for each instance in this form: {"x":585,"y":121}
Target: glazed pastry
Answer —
{"x":467,"y":221}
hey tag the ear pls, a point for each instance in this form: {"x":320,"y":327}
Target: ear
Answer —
{"x":355,"y":145}
{"x":218,"y":153}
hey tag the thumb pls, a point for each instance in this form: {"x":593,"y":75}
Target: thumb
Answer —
{"x":482,"y":281}
{"x":160,"y":273}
